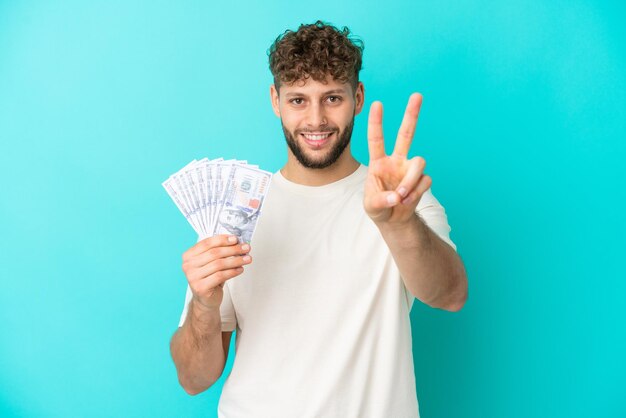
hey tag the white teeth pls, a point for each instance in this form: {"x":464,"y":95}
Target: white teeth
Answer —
{"x":316,"y":137}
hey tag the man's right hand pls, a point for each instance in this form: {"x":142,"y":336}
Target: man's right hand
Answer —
{"x":209,"y":263}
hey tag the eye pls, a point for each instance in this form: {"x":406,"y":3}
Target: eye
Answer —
{"x":334,"y":99}
{"x":296,"y":101}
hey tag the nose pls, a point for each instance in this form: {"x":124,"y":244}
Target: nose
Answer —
{"x":316,"y":116}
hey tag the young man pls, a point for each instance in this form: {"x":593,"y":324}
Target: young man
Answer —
{"x":340,"y":252}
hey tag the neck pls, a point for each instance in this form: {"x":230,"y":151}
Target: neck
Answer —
{"x":297,"y":173}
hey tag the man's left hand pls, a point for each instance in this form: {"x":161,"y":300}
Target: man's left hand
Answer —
{"x":394,"y":184}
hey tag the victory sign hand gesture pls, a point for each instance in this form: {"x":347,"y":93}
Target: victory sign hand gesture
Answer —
{"x":394,"y":184}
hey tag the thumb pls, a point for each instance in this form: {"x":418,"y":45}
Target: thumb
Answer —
{"x":384,"y":200}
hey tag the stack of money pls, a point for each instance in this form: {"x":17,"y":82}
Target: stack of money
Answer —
{"x":220,"y":196}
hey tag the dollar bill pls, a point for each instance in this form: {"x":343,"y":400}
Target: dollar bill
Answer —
{"x":242,"y":201}
{"x":219,"y":196}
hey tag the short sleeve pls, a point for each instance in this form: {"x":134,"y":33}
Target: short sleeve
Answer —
{"x":434,"y":215}
{"x":227,"y":310}
{"x":188,"y":297}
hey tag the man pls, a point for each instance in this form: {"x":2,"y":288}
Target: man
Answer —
{"x":341,"y":251}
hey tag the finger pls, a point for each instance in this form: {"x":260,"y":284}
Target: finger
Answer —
{"x":424,"y":184}
{"x":215,"y":253}
{"x":375,"y":140}
{"x":384,"y":200}
{"x":407,"y":128}
{"x":208,"y":243}
{"x":412,"y":176}
{"x":219,"y":265}
{"x":217,"y":279}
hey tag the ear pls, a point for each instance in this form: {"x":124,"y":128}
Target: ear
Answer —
{"x":359,"y":98}
{"x":275,"y":100}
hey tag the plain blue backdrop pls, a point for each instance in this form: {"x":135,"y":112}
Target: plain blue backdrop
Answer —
{"x":522,"y":127}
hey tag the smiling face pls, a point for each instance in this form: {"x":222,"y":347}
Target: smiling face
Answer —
{"x":317,"y":119}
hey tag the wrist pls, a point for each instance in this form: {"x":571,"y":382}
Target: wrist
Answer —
{"x":203,"y":312}
{"x":398,"y":227}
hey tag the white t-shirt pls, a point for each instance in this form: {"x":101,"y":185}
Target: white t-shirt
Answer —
{"x":321,"y":313}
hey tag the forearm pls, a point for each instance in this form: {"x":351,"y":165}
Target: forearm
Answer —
{"x":431,"y":270}
{"x":197,"y":349}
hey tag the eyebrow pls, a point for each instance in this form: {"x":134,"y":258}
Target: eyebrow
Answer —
{"x":334,"y":91}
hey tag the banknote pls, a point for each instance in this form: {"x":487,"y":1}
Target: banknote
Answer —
{"x":218,"y":196}
{"x":241,"y":202}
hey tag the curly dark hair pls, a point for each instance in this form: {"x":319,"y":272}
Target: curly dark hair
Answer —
{"x":316,"y":50}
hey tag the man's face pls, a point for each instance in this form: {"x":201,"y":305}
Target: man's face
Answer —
{"x":317,"y":118}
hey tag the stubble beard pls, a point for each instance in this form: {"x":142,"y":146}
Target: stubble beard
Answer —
{"x":331,"y":157}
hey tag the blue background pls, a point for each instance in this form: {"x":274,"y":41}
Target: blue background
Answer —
{"x":522,"y":128}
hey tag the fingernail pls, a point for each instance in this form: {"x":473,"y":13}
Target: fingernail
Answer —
{"x":245,"y":247}
{"x":232,"y":239}
{"x":246,"y":258}
{"x":402,"y":191}
{"x":392,"y":199}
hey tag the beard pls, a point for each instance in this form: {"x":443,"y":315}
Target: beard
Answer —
{"x":331,"y":156}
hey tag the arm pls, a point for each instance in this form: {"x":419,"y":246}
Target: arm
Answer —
{"x":430,"y":268}
{"x":199,"y":348}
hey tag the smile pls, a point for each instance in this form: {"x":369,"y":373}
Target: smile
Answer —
{"x":317,"y":141}
{"x":317,"y":137}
